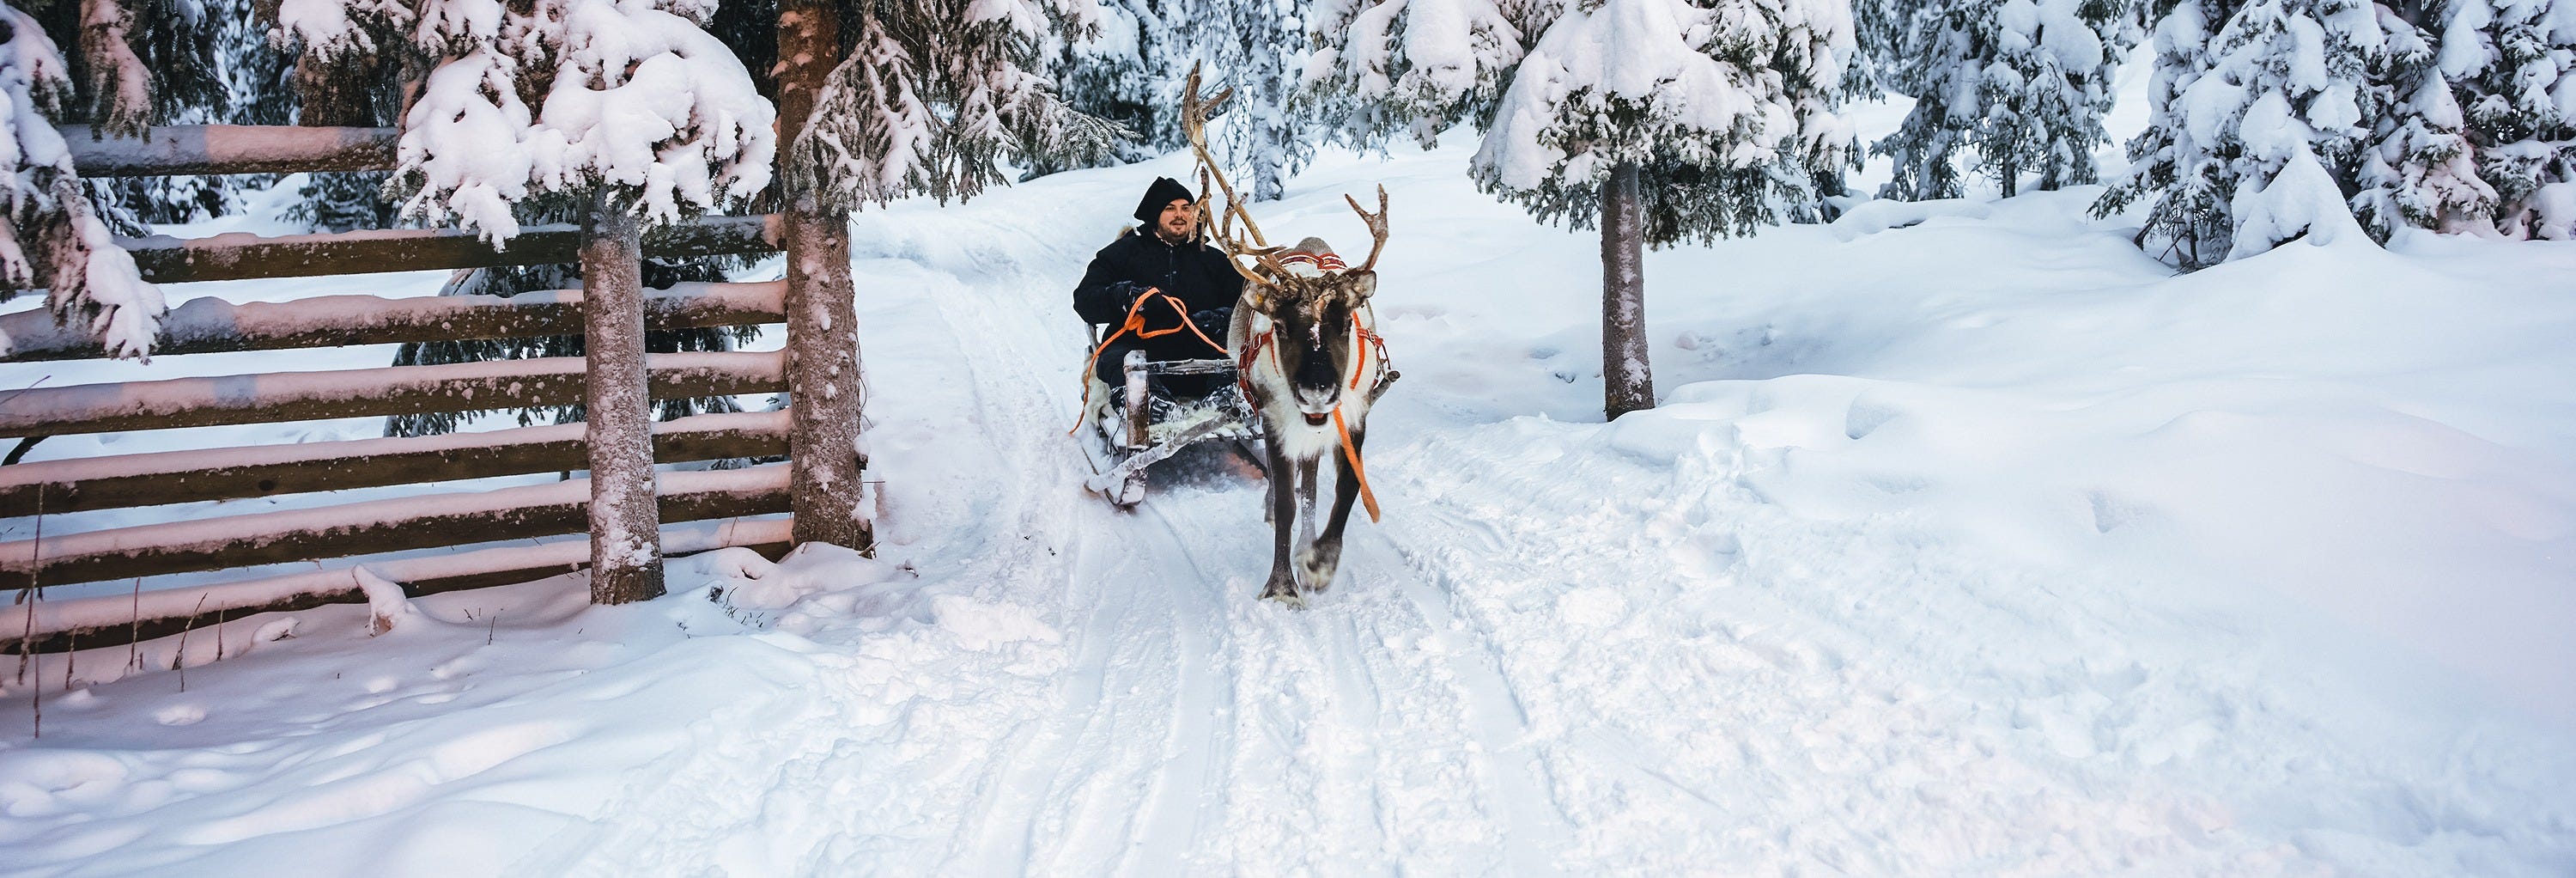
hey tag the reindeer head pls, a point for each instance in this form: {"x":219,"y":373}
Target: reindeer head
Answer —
{"x":1311,"y":308}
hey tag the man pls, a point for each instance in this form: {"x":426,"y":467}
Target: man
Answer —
{"x":1166,"y":266}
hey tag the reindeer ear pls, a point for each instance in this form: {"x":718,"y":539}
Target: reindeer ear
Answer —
{"x":1361,"y":284}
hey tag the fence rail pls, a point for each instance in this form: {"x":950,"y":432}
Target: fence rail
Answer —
{"x":58,"y":487}
{"x":353,"y":393}
{"x":418,"y":522}
{"x":90,"y":623}
{"x":241,"y":255}
{"x":212,"y":325}
{"x":230,"y":149}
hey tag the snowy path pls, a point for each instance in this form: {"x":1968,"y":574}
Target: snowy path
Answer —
{"x":1191,"y":713}
{"x":1905,"y":577}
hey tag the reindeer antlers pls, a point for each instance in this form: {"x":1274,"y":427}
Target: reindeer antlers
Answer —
{"x":1195,"y":110}
{"x":1376,"y":226}
{"x":1194,"y":115}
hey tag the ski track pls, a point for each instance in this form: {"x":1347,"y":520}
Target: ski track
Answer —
{"x":1196,"y":728}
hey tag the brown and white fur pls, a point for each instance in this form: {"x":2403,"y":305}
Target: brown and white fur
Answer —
{"x":1299,"y":377}
{"x":1302,"y":338}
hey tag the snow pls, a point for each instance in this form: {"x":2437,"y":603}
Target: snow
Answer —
{"x":1966,"y":540}
{"x":646,"y":102}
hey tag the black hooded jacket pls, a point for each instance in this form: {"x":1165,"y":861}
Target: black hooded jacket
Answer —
{"x":1139,"y":260}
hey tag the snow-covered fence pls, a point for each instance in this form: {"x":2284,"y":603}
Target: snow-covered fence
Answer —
{"x":701,"y":510}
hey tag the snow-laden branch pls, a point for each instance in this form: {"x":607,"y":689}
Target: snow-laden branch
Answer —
{"x":49,"y":234}
{"x":463,"y":153}
{"x":646,"y":104}
{"x":635,"y":100}
{"x":933,"y":109}
{"x":1421,"y":65}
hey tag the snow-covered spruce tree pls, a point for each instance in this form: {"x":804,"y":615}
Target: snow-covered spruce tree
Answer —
{"x":641,"y":117}
{"x":931,"y":96}
{"x":1668,"y":121}
{"x":1127,"y":70}
{"x":2418,"y":167}
{"x":1416,"y":66}
{"x":2514,"y":67}
{"x":49,"y":234}
{"x":1260,"y":45}
{"x":2247,"y":125}
{"x":2019,"y":85}
{"x":934,"y":95}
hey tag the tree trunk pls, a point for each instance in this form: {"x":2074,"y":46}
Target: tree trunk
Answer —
{"x":1627,"y":384}
{"x":625,"y":531}
{"x":824,"y":382}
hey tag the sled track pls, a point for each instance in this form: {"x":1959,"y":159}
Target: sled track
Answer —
{"x":1197,"y":728}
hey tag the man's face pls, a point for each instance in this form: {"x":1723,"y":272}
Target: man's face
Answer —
{"x":1179,"y":219}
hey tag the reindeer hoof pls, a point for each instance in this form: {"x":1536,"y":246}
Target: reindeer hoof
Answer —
{"x":1319,"y":563}
{"x":1291,"y":600}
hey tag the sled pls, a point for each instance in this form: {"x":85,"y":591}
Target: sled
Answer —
{"x":1141,"y":429}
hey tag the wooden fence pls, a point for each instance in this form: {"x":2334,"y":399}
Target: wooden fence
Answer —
{"x":819,"y":485}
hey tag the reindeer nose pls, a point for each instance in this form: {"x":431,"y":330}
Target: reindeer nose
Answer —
{"x":1318,"y":388}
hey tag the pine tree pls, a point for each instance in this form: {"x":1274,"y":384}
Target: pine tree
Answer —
{"x":2020,"y":85}
{"x":2254,"y":130}
{"x":935,"y":94}
{"x":1669,"y":121}
{"x":627,"y":110}
{"x":1386,"y":66}
{"x":211,"y":65}
{"x":1126,"y":71}
{"x":2419,"y":168}
{"x":1260,"y":44}
{"x":2514,"y":70}
{"x":373,"y":44}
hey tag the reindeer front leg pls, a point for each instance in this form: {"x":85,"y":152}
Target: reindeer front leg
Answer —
{"x":1320,"y":560}
{"x":1283,"y":517}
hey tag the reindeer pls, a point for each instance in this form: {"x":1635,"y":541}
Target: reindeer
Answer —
{"x":1305,"y":346}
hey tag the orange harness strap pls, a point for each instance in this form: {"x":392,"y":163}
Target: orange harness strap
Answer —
{"x":1359,"y":367}
{"x":1135,"y":323}
{"x":1359,"y":371}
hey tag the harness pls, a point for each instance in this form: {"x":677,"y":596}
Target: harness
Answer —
{"x":1135,"y":323}
{"x":1362,"y":339}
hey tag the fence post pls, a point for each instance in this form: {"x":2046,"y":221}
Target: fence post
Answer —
{"x":625,"y":523}
{"x":823,"y":378}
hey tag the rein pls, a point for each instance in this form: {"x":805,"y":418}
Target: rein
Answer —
{"x":1362,"y":339}
{"x":1135,"y":323}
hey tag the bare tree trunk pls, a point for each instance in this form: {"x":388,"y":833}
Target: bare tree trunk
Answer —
{"x":625,"y":528}
{"x":1627,"y":383}
{"x":824,"y":383}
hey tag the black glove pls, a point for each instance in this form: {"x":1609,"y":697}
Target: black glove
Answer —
{"x":1123,"y":294}
{"x":1214,"y":321}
